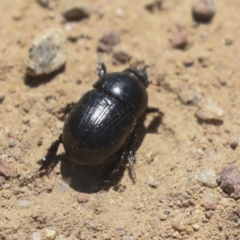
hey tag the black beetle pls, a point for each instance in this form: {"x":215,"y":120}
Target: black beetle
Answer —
{"x":102,"y":122}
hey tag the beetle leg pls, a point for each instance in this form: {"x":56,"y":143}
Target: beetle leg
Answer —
{"x":130,"y":150}
{"x":128,"y":154}
{"x":50,"y":160}
{"x":102,"y":70}
{"x":111,"y":172}
{"x":66,"y":110}
{"x":154,"y":110}
{"x":47,"y":164}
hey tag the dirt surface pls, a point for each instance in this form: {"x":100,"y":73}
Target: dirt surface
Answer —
{"x":167,"y":201}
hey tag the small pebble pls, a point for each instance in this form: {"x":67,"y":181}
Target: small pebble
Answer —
{"x":75,"y":10}
{"x":208,"y":178}
{"x":43,"y":3}
{"x":152,"y":182}
{"x":233,"y":142}
{"x":179,"y":40}
{"x":120,"y":55}
{"x":83,"y":198}
{"x":227,"y":202}
{"x":203,"y":58}
{"x":12,"y":143}
{"x":127,"y":237}
{"x":50,"y":234}
{"x":3,"y":156}
{"x":190,"y":230}
{"x":185,"y":203}
{"x":209,"y":152}
{"x":17,"y":14}
{"x":203,"y":10}
{"x":61,"y":237}
{"x":119,"y":12}
{"x":23,"y":203}
{"x":108,"y":41}
{"x":36,"y":236}
{"x":4,"y":170}
{"x":39,"y":142}
{"x":47,"y":53}
{"x":209,"y":214}
{"x":177,"y":225}
{"x":175,"y":235}
{"x":188,"y":61}
{"x":209,"y":201}
{"x":210,"y":112}
{"x":196,"y":227}
{"x":189,"y":97}
{"x":230,"y":181}
{"x":228,"y":40}
{"x":2,"y":97}
{"x":26,"y":119}
{"x":163,"y":217}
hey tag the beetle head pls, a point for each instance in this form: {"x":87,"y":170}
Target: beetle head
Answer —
{"x":140,"y":73}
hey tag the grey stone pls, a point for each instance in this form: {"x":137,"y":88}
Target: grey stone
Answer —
{"x":208,"y":178}
{"x":47,"y":53}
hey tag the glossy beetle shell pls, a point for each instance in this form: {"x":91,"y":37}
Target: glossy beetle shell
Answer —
{"x":103,"y":118}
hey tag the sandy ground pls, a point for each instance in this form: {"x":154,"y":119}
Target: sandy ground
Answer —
{"x":167,"y":201}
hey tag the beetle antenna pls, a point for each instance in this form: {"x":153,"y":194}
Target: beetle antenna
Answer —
{"x":102,"y":70}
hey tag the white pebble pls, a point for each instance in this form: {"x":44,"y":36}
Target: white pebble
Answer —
{"x":23,"y":203}
{"x":36,"y":236}
{"x":209,"y":112}
{"x":195,"y":226}
{"x":207,"y":177}
{"x":50,"y":234}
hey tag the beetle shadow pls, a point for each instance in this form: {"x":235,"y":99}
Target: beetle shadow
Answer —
{"x":152,"y":128}
{"x":90,"y":179}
